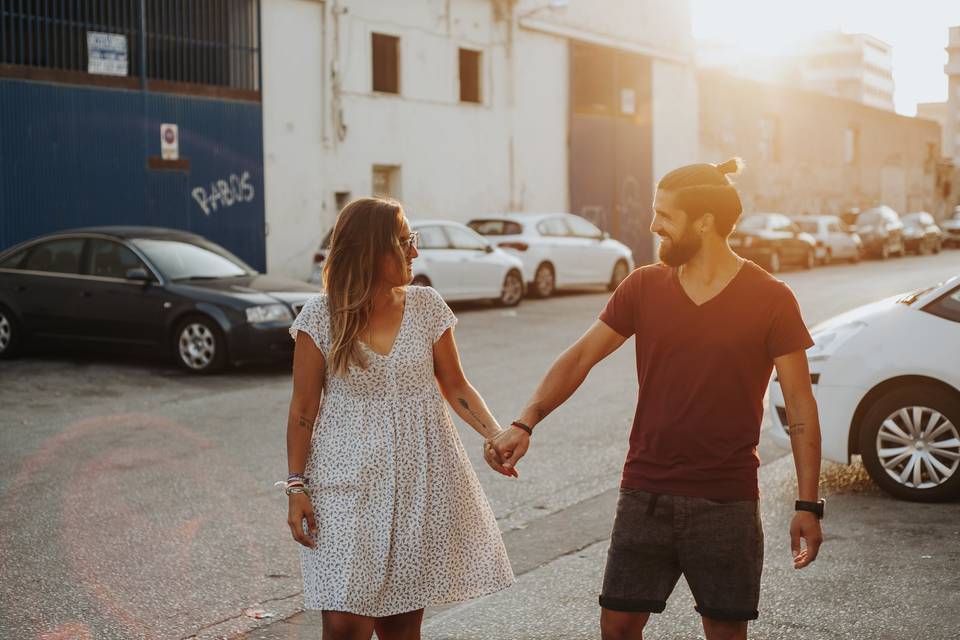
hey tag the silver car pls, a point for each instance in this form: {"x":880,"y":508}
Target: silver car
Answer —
{"x":835,"y":240}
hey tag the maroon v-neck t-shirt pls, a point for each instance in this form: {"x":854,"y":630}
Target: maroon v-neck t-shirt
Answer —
{"x":702,"y":371}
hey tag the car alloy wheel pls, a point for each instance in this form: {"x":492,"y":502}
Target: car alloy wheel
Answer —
{"x":512,"y":292}
{"x":200,"y":348}
{"x":910,"y":443}
{"x":6,"y":332}
{"x":620,"y":273}
{"x":544,"y":281}
{"x":884,"y":251}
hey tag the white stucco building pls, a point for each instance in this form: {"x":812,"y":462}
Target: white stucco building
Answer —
{"x":460,"y":107}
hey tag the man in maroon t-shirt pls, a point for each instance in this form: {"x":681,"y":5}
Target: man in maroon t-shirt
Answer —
{"x":710,"y":327}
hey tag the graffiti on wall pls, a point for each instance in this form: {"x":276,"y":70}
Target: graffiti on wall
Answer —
{"x":225,"y":192}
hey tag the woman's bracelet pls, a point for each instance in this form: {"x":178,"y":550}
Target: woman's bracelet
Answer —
{"x":297,"y":483}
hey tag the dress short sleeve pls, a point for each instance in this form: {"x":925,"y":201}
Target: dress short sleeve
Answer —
{"x":440,"y":315}
{"x":314,"y":320}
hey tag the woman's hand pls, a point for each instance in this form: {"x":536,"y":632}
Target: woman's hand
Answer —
{"x":493,"y":458}
{"x":301,"y":508}
{"x":508,"y":447}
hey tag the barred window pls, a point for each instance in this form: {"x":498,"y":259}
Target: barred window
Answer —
{"x":186,"y":42}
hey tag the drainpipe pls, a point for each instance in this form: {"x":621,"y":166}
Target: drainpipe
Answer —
{"x":143,"y":45}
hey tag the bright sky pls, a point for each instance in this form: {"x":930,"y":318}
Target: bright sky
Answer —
{"x":916,"y":29}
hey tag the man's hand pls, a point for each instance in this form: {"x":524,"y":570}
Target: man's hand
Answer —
{"x":509,"y":446}
{"x":805,"y":525}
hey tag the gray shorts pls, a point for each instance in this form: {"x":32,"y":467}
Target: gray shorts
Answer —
{"x":717,"y":546}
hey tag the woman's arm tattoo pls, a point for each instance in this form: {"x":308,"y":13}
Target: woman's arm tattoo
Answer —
{"x":795,"y":429}
{"x":466,"y":406}
{"x":305,"y":422}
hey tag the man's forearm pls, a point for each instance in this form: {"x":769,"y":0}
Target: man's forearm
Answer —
{"x":804,"y":431}
{"x":562,"y":380}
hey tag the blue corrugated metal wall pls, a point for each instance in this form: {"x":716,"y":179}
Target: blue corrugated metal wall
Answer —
{"x":77,"y":156}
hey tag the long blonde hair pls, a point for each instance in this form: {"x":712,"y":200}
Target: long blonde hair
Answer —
{"x":367,"y":230}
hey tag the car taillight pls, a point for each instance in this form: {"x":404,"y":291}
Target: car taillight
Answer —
{"x":318,"y":258}
{"x":519,"y":246}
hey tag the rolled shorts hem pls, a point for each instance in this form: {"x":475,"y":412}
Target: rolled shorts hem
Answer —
{"x":633,"y":606}
{"x":727,"y":615}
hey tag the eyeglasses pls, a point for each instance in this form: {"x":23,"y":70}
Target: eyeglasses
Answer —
{"x":411,"y":242}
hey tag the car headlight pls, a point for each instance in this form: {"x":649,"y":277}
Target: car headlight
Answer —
{"x":827,"y":342}
{"x":268,"y":313}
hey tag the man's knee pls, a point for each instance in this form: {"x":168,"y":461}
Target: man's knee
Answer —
{"x":622,"y":625}
{"x":724,"y":629}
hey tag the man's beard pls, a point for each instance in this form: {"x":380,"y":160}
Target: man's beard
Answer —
{"x":681,"y":251}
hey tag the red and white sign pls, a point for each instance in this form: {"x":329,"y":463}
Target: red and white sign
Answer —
{"x":169,"y":142}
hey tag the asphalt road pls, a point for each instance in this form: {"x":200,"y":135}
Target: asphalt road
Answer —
{"x":136,"y":501}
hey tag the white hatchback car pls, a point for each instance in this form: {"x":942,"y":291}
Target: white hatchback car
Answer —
{"x":456,"y":261}
{"x":887,"y":381}
{"x":835,"y":240}
{"x":558,"y":250}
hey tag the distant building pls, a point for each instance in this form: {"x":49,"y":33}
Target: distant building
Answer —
{"x":855,"y":67}
{"x":936,"y":111}
{"x":952,"y":134}
{"x":466,"y":107}
{"x":810,"y":153}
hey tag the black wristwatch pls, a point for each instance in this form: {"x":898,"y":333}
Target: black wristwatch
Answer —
{"x":815,"y":508}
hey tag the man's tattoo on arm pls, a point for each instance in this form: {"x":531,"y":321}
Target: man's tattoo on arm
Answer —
{"x":795,"y":429}
{"x":473,"y":414}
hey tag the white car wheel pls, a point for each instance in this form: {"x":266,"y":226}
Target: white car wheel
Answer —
{"x":544,"y":282}
{"x":512,"y":292}
{"x":910,"y":444}
{"x":620,"y":273}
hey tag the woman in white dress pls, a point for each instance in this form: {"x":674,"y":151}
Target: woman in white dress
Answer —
{"x":383,"y":500}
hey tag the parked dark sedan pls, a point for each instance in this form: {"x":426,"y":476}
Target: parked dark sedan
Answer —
{"x":921,"y":233}
{"x":147,"y":288}
{"x":773,"y":240}
{"x":881,"y":231}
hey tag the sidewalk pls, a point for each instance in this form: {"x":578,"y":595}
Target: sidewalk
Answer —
{"x":860,"y":587}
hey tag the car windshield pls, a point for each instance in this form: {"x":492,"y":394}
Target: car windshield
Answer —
{"x":752,"y":223}
{"x":913,"y":218}
{"x":809,"y":226}
{"x":870,"y":217}
{"x":182,"y":260}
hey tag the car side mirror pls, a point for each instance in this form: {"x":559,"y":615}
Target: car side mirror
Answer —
{"x":488,"y":248}
{"x":139,"y":274}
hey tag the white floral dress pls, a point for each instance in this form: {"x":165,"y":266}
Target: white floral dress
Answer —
{"x":402,"y":520}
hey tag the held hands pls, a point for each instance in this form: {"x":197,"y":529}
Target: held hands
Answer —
{"x":504,"y":450}
{"x":805,"y":525}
